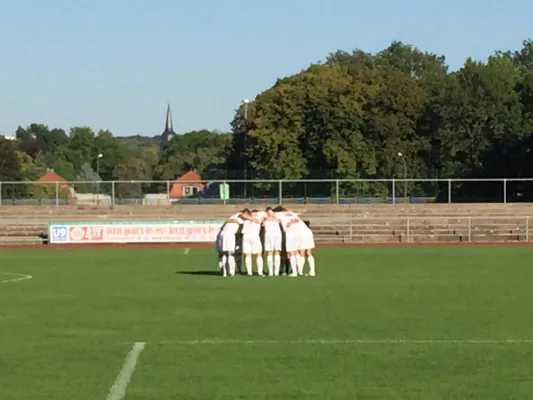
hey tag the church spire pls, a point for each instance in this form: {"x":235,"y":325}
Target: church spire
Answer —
{"x":169,"y":130}
{"x":168,"y":124}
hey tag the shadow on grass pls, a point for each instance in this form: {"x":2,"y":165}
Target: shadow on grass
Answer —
{"x":204,"y":273}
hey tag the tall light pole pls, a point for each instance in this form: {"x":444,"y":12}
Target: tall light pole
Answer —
{"x":400,"y":154}
{"x":245,"y":102}
{"x":100,"y":155}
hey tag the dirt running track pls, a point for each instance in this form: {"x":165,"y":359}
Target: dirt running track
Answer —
{"x":211,"y":245}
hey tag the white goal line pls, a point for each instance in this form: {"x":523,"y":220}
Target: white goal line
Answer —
{"x":342,"y":341}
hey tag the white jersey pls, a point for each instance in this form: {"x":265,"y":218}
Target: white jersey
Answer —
{"x":285,"y":219}
{"x":253,"y":228}
{"x":232,"y":227}
{"x":271,"y":227}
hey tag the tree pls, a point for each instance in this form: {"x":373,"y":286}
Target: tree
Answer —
{"x":10,"y":170}
{"x":30,"y":139}
{"x":81,"y":145}
{"x":87,"y":181}
{"x":10,"y":167}
{"x":523,"y":58}
{"x":28,"y":169}
{"x":134,"y":170}
{"x":203,"y":151}
{"x":112,"y":150}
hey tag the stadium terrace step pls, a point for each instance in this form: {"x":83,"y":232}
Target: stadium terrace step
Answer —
{"x":20,"y":240}
{"x":20,"y":233}
{"x":215,"y":212}
{"x":330,"y":222}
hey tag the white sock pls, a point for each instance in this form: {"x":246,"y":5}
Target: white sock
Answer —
{"x":220,"y":263}
{"x":301,"y":263}
{"x":259,"y":261}
{"x":270,"y":265}
{"x":298,"y":260}
{"x":248,"y":263}
{"x":231,"y":263}
{"x":311,"y":261}
{"x":293,"y":265}
{"x":277,"y":264}
{"x":224,"y":262}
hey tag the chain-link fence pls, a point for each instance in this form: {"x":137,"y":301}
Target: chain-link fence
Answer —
{"x":339,"y":191}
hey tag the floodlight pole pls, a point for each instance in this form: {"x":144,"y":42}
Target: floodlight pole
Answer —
{"x":100,"y":155}
{"x":245,"y":103}
{"x":404,"y":174}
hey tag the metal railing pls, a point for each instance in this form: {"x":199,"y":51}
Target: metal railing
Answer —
{"x":424,"y":229}
{"x":383,"y":229}
{"x":339,"y":191}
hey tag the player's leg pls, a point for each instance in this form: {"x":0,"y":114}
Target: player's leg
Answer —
{"x":293,"y":263}
{"x":285,"y":257}
{"x":311,"y":262}
{"x":218,"y":250}
{"x":231,"y":263}
{"x":247,"y":252}
{"x":277,"y":246}
{"x":220,"y":260}
{"x":292,"y":250}
{"x":257,"y":250}
{"x":224,"y":262}
{"x":310,"y":245}
{"x":238,"y":252}
{"x":300,"y":255}
{"x":300,"y":261}
{"x":260,"y":264}
{"x":248,"y":263}
{"x":269,"y":254}
{"x":228,"y":246}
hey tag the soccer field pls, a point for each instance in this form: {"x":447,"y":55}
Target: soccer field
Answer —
{"x":376,"y":323}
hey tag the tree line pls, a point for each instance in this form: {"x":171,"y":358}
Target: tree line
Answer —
{"x":396,"y":113}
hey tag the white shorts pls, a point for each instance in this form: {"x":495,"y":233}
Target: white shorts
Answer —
{"x":307,"y":239}
{"x":218,"y":242}
{"x":273,"y":241}
{"x":292,"y":239}
{"x":251,"y":244}
{"x":228,"y":242}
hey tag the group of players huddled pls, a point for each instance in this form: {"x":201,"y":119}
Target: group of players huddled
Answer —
{"x":279,"y":234}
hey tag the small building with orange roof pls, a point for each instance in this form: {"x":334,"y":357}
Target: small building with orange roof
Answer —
{"x":51,"y":177}
{"x":48,"y":187}
{"x":186,"y":185}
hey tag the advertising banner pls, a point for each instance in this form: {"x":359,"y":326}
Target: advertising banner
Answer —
{"x":133,"y":232}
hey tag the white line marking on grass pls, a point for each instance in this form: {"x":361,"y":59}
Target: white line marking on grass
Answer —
{"x":347,"y":341}
{"x":118,"y":390}
{"x":186,"y":251}
{"x":17,"y":277}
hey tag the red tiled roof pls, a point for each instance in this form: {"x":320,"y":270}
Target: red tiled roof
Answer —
{"x":189,"y":176}
{"x":51,"y":176}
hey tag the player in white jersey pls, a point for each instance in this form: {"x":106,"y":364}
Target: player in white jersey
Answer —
{"x":251,"y":242}
{"x":305,"y":243}
{"x":218,"y":247}
{"x":273,"y":239}
{"x":228,"y":240}
{"x":289,"y":222}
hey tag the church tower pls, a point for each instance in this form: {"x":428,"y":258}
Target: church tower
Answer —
{"x":169,"y":131}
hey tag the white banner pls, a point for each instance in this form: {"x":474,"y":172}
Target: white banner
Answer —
{"x":133,"y":232}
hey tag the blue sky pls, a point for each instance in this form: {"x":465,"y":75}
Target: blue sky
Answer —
{"x":114,"y":64}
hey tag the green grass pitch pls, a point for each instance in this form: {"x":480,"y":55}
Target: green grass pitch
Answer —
{"x":376,"y":323}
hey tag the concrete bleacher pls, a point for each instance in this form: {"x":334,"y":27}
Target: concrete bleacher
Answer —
{"x":330,"y":222}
